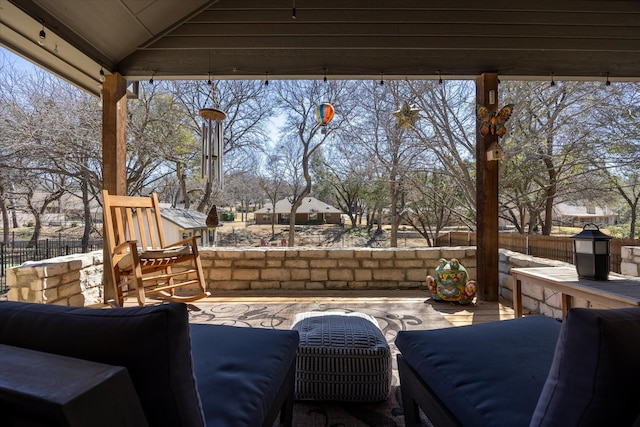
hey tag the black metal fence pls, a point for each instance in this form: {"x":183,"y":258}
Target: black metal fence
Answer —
{"x":14,"y":253}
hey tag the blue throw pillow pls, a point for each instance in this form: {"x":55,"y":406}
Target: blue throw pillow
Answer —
{"x":152,"y":342}
{"x":594,"y":379}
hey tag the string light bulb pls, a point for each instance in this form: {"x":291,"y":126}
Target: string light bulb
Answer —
{"x":151,"y":79}
{"x":608,"y":82}
{"x":266,"y":79}
{"x":553,"y":83}
{"x":293,"y":11}
{"x":439,"y":78}
{"x":381,"y":79}
{"x":102,"y":77}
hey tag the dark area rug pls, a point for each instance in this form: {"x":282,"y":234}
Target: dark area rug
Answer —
{"x":392,"y":317}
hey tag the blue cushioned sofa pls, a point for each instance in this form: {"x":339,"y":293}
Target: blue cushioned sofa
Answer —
{"x":532,"y":371}
{"x":183,"y":375}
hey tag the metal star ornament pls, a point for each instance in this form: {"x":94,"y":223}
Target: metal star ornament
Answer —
{"x":406,"y":116}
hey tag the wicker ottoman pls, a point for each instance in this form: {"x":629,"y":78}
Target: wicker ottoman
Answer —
{"x":341,"y":356}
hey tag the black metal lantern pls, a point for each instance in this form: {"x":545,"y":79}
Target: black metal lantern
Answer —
{"x":591,"y":253}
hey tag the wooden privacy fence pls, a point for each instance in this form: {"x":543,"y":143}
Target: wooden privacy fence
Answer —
{"x":551,"y":247}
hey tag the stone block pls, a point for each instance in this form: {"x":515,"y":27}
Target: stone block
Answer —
{"x":278,"y":274}
{"x":363,"y":275}
{"x":255,"y":253}
{"x":534,"y":291}
{"x":296,"y":263}
{"x":245,"y":274}
{"x":362,"y":253}
{"x":314,"y":285}
{"x":409,"y":263}
{"x":222,"y":263}
{"x":218,"y":274}
{"x":416,"y":275}
{"x":80,"y":300}
{"x":54,"y":269}
{"x":629,"y":269}
{"x":232,"y":285}
{"x":319,"y":274}
{"x":626,"y":252}
{"x":341,"y":274}
{"x":299,"y":274}
{"x":313,"y":253}
{"x":371,"y":264}
{"x":348,"y":263}
{"x":377,"y":253}
{"x":50,"y":294}
{"x":341,"y":253}
{"x":67,"y":290}
{"x":389,"y":274}
{"x":458,"y":253}
{"x":293,"y":284}
{"x":323,"y":263}
{"x":429,"y":254}
{"x":265,"y":284}
{"x":70,"y":277}
{"x":405,"y":254}
{"x":336,"y":284}
{"x":14,"y":294}
{"x":411,"y":285}
{"x":531,"y":304}
{"x":553,"y":298}
{"x":554,"y":313}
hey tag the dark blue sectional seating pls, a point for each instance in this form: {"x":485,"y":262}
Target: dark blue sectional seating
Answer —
{"x":183,"y":375}
{"x":532,"y":371}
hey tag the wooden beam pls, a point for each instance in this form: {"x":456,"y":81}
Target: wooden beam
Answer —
{"x":487,"y":197}
{"x":114,"y":150}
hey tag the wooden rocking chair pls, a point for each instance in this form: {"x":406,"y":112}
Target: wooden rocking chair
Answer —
{"x":142,"y":263}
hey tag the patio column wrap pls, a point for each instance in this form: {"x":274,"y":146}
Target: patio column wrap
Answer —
{"x":487,"y":197}
{"x":114,"y":148}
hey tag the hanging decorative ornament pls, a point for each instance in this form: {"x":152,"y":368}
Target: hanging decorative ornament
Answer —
{"x":324,"y":114}
{"x":212,"y":140}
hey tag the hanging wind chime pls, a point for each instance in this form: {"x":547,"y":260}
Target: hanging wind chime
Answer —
{"x":212,"y":150}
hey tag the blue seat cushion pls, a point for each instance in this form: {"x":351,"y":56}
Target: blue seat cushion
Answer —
{"x":595,"y":376}
{"x":152,"y":342}
{"x":488,"y":374}
{"x":240,"y":371}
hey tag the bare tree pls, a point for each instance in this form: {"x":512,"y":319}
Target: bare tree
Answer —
{"x":273,"y":184}
{"x":298,"y":101}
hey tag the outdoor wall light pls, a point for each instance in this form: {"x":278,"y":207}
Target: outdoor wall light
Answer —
{"x":591,"y":253}
{"x":42,"y":36}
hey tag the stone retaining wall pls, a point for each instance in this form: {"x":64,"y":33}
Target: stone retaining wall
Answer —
{"x":76,"y":279}
{"x":630,"y":265}
{"x":326,"y":268}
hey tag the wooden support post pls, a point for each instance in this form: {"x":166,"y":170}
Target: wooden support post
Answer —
{"x":114,"y":150}
{"x":487,"y":197}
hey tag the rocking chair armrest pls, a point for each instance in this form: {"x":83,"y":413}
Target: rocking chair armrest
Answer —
{"x":190,"y":240}
{"x":131,"y":243}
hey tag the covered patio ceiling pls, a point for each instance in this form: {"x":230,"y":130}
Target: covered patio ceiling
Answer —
{"x":372,"y":39}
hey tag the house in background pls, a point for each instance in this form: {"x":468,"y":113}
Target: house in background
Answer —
{"x":180,"y":224}
{"x":579,"y":215}
{"x":311,"y":211}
